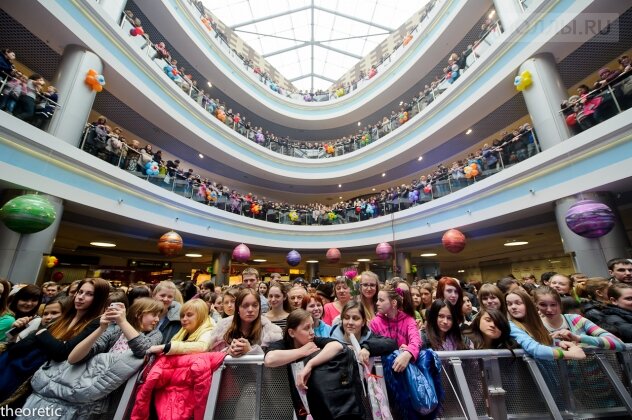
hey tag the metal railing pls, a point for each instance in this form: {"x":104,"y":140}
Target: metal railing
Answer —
{"x":478,"y":384}
{"x":43,"y":103}
{"x":296,"y":148}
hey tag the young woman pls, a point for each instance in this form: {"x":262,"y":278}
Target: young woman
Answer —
{"x":563,"y":284}
{"x":369,"y":287}
{"x":491,"y":297}
{"x":619,"y":313}
{"x":571,"y":327}
{"x":353,"y":322}
{"x":246,"y":331}
{"x":449,"y":289}
{"x":228,"y":302}
{"x":442,"y":332}
{"x":26,"y":301}
{"x":343,"y":295}
{"x":425,"y":290}
{"x":297,"y":343}
{"x":169,"y":323}
{"x":468,"y":309}
{"x":125,"y":339}
{"x":211,"y":300}
{"x":195,"y":334}
{"x":6,"y":316}
{"x":263,"y":289}
{"x":278,"y":305}
{"x":594,"y":298}
{"x":79,"y":320}
{"x":314,"y":305}
{"x":490,"y":330}
{"x":395,"y":319}
{"x":52,"y":310}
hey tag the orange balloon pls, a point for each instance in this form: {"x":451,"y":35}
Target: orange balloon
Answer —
{"x":92,"y":72}
{"x":474,"y":165}
{"x":90,"y":80}
{"x":97,"y":88}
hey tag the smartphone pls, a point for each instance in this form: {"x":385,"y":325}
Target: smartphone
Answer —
{"x":13,"y":332}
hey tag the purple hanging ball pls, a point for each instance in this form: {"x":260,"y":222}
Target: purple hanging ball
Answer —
{"x":590,"y":219}
{"x":241,"y":253}
{"x":293,"y":258}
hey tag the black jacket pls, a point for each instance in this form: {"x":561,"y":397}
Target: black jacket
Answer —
{"x":618,"y":321}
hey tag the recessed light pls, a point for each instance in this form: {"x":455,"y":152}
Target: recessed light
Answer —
{"x":555,"y":262}
{"x":259,"y":260}
{"x":373,"y":189}
{"x":103,"y":244}
{"x":359,"y":123}
{"x":193,"y":255}
{"x":516,"y":243}
{"x":383,"y":174}
{"x":420,"y":158}
{"x":201,"y":156}
{"x":428,"y":254}
{"x":339,"y":198}
{"x":364,"y":259}
{"x":401,"y":103}
{"x":209,"y":84}
{"x":491,"y":14}
{"x":339,"y":185}
{"x":312,"y":261}
{"x":469,"y":131}
{"x":461,"y":271}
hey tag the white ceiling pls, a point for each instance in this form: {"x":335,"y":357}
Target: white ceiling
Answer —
{"x":354,"y":27}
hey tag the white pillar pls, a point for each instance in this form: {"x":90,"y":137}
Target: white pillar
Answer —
{"x":113,"y":8}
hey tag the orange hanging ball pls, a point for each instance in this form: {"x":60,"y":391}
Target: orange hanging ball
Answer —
{"x":453,"y":241}
{"x":170,"y":244}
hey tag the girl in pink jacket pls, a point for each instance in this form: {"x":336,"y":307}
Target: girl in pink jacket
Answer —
{"x":396,"y":320}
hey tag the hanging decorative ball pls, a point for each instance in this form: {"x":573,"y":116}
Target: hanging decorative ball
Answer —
{"x":384,"y":250}
{"x":590,"y":219}
{"x":293,"y":258}
{"x":453,"y":241}
{"x":28,"y":213}
{"x":333,"y":255}
{"x":241,"y":253}
{"x":170,"y":244}
{"x":57,"y":276}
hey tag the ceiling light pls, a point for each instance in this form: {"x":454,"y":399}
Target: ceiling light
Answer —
{"x":383,"y":174}
{"x":201,"y":156}
{"x":491,"y":14}
{"x":373,"y":189}
{"x":312,"y":261}
{"x":469,"y":131}
{"x":516,"y":243}
{"x":420,"y":158}
{"x":359,"y":123}
{"x":364,"y":259}
{"x":259,"y":260}
{"x":339,"y":198}
{"x":103,"y":244}
{"x":401,"y":103}
{"x":193,"y":255}
{"x":339,"y":185}
{"x":209,"y":84}
{"x":461,"y":271}
{"x":555,"y":262}
{"x":428,"y":254}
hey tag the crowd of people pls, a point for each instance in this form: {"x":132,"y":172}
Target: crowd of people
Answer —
{"x":78,"y":346}
{"x":236,"y":120}
{"x":25,"y":97}
{"x":512,"y":147}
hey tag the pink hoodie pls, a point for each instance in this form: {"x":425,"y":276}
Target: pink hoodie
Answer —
{"x":402,"y":329}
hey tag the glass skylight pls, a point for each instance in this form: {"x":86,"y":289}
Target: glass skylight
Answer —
{"x":313,"y":42}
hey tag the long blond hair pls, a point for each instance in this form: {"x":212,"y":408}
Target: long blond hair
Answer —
{"x":202,"y":320}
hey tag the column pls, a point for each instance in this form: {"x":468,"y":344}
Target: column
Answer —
{"x":114,"y":8}
{"x":403,"y":262}
{"x":221,"y":264}
{"x":591,"y":255}
{"x":21,"y":255}
{"x":543,"y":99}
{"x":508,"y":11}
{"x":75,"y":97}
{"x":312,"y":271}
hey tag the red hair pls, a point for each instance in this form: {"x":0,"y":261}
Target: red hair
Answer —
{"x":449,"y":281}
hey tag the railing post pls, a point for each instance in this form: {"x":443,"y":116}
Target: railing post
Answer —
{"x":546,"y":393}
{"x":625,"y":359}
{"x":569,"y":402}
{"x":259,"y":383}
{"x":461,"y":380}
{"x":614,"y":98}
{"x":85,"y":136}
{"x":495,"y":391}
{"x":618,"y":386}
{"x":211,"y":402}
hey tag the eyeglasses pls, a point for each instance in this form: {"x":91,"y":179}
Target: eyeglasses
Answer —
{"x":369,"y":285}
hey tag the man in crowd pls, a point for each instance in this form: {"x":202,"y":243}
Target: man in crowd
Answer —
{"x":50,"y":289}
{"x":620,"y":270}
{"x":249,"y":280}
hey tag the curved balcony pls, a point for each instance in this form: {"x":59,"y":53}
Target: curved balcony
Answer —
{"x":595,"y":159}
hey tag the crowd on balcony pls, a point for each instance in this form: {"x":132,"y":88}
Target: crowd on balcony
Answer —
{"x":72,"y":348}
{"x":456,"y":65}
{"x":510,"y":148}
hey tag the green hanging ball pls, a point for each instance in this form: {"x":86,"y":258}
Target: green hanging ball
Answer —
{"x":28,"y":213}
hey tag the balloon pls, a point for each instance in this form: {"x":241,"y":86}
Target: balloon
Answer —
{"x":453,"y":241}
{"x":170,"y":244}
{"x":92,"y":72}
{"x":98,"y":88}
{"x":351,"y":274}
{"x":241,"y":253}
{"x":369,"y":210}
{"x":384,"y":250}
{"x":590,"y":219}
{"x":100,"y":79}
{"x":571,"y":119}
{"x":51,"y":261}
{"x":332,"y":216}
{"x":428,"y":189}
{"x":293,"y":216}
{"x":132,"y":32}
{"x":28,"y":213}
{"x":474,"y":172}
{"x":293,"y":258}
{"x":139,"y":30}
{"x":333,"y":255}
{"x":58,"y":276}
{"x":523,"y":81}
{"x":474,"y":165}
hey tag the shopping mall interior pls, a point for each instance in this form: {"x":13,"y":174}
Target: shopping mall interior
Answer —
{"x":495,"y":118}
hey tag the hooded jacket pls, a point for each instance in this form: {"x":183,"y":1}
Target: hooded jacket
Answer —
{"x":402,"y":329}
